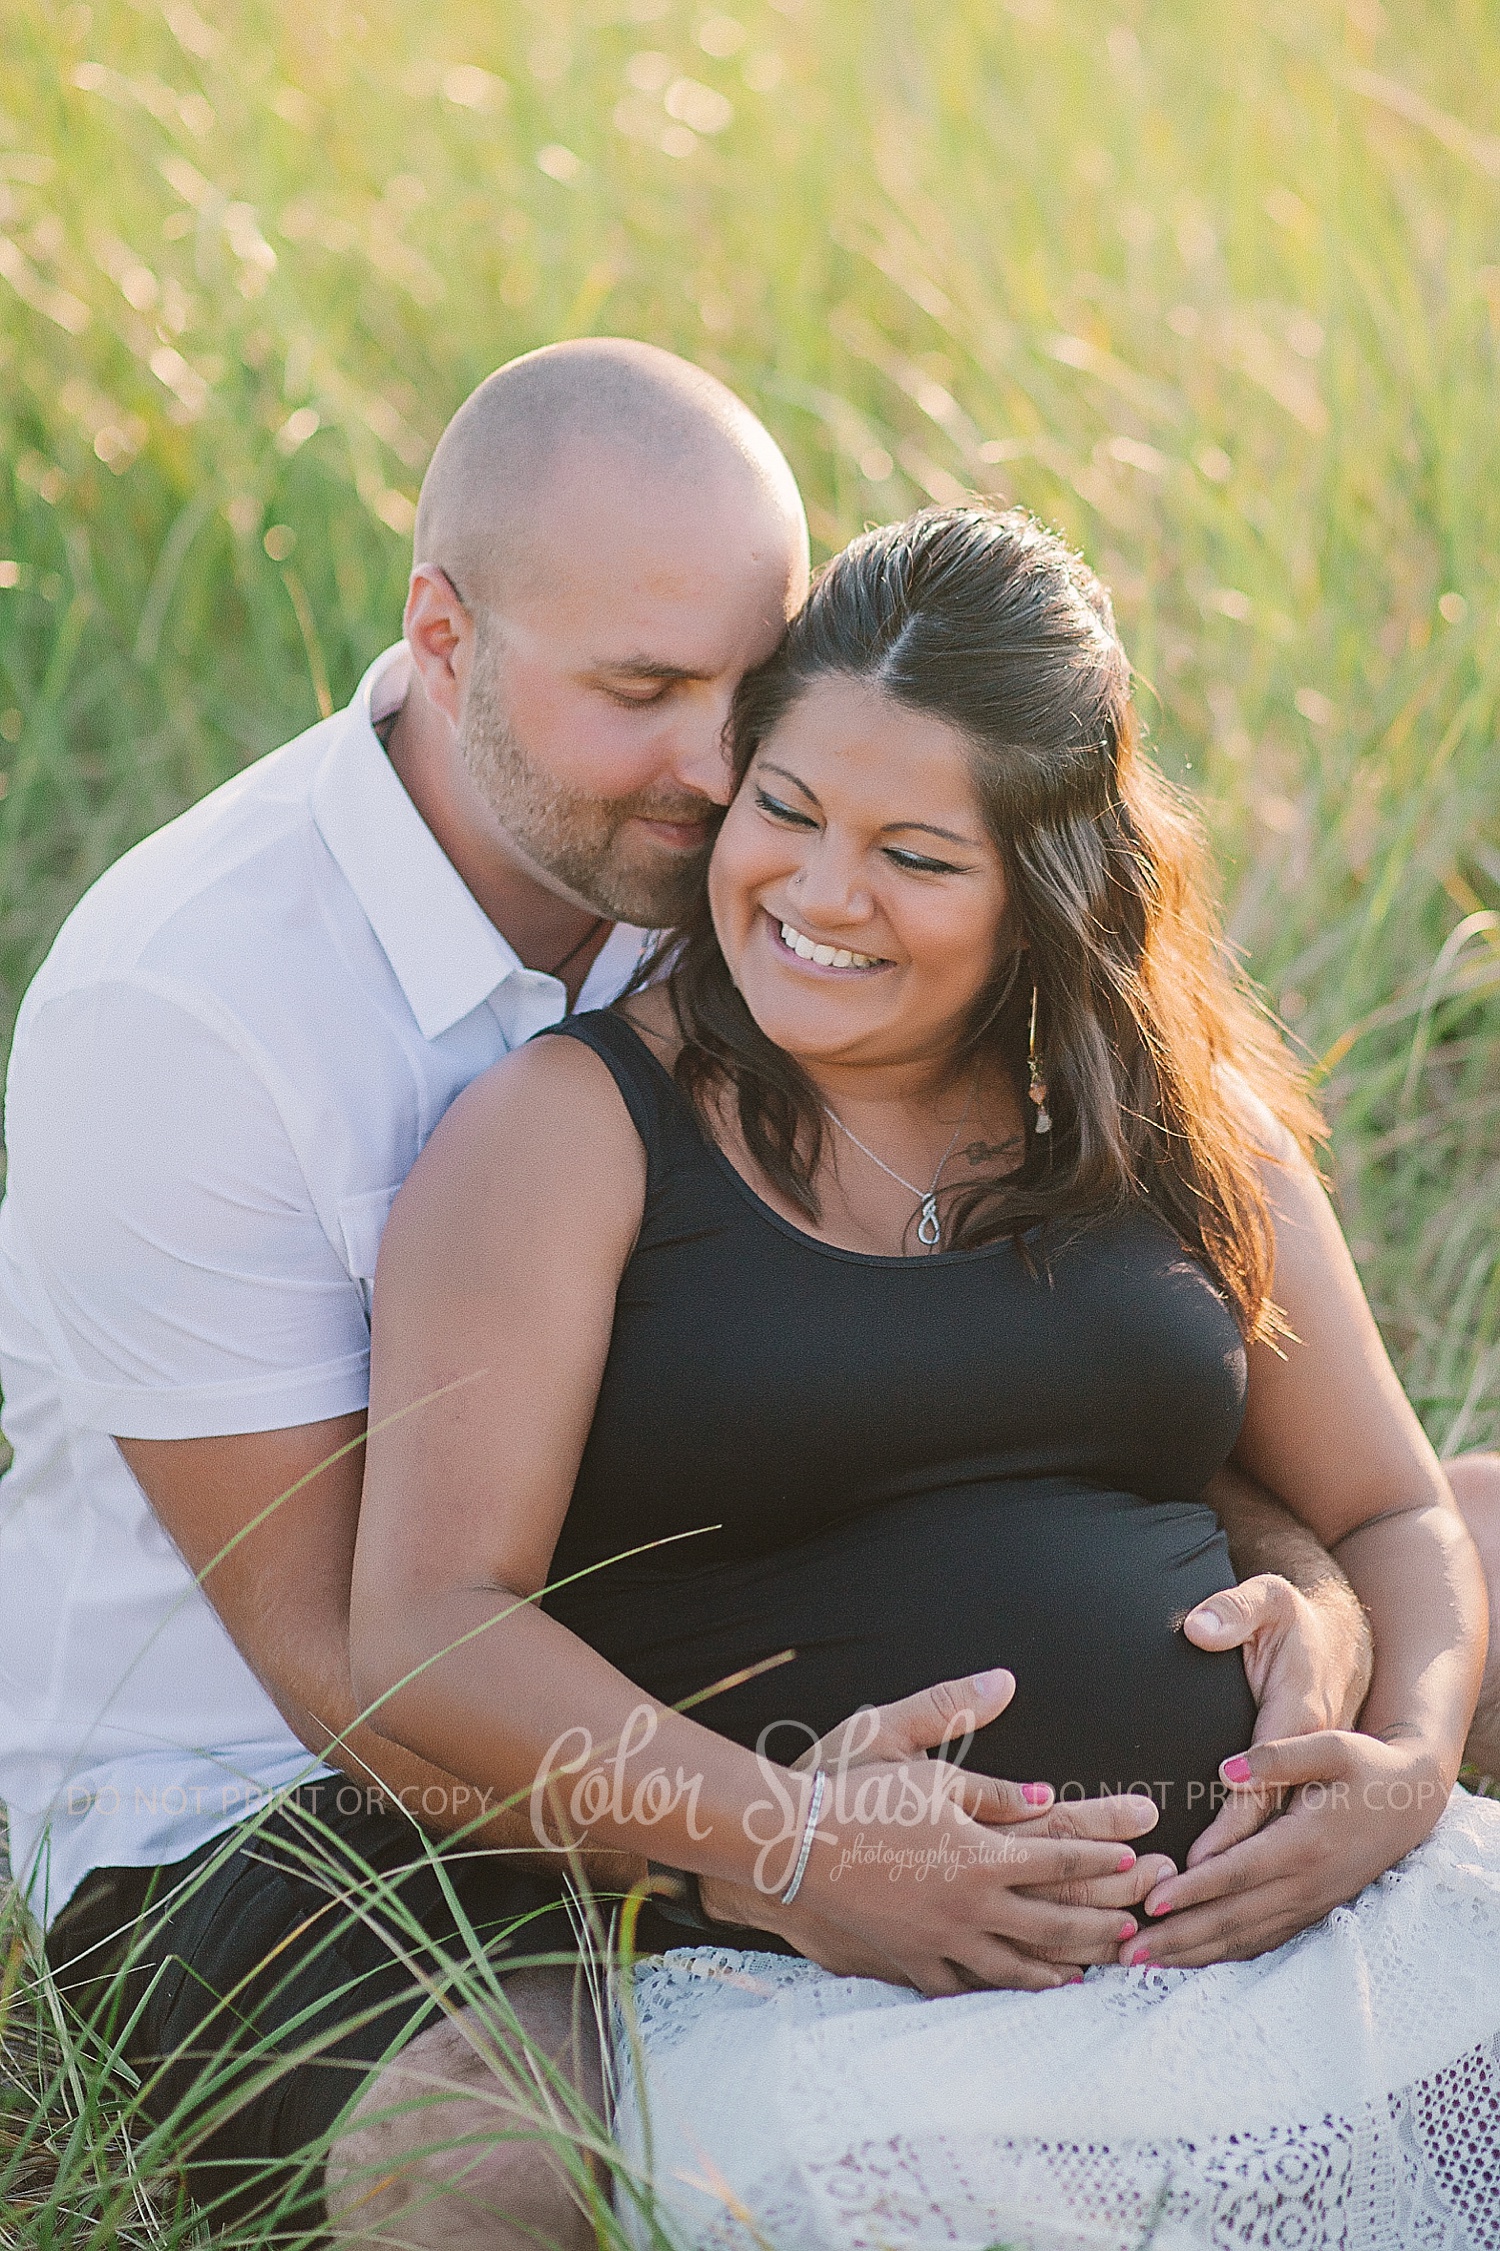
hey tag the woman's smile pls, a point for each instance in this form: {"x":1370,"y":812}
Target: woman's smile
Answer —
{"x":818,"y":954}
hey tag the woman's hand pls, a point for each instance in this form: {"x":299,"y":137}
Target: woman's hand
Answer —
{"x":1354,"y":1806}
{"x":916,"y":1725}
{"x":898,"y":1895}
{"x":1307,"y":1659}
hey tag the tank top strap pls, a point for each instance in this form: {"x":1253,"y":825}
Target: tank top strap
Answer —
{"x":659,"y":1110}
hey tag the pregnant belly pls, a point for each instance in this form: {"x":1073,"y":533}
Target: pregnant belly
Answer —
{"x":1078,"y":1593}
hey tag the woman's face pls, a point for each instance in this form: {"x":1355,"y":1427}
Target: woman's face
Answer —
{"x":857,"y":896}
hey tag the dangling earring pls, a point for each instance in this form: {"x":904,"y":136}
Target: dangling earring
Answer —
{"x":1037,"y":1085}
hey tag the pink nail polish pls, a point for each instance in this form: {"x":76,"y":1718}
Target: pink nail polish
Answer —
{"x":1127,"y":1930}
{"x":1236,"y":1769}
{"x":1125,"y":1863}
{"x":1036,"y":1793}
{"x":1138,"y":1957}
{"x":1162,"y":1907}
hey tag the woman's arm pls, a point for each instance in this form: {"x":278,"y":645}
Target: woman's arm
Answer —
{"x":494,"y":1306}
{"x":492,"y":1316}
{"x":1329,"y":1429}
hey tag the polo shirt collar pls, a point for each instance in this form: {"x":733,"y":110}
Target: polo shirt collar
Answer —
{"x":447,"y":955}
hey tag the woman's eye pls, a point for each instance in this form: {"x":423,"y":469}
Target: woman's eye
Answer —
{"x":780,"y":812}
{"x":918,"y":862}
{"x":634,"y":703}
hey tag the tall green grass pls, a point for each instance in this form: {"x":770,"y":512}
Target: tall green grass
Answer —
{"x":1214,"y":287}
{"x":92,"y":2152}
{"x":1212,"y":284}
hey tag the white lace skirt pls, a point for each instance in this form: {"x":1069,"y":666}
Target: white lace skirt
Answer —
{"x":1343,"y":2091}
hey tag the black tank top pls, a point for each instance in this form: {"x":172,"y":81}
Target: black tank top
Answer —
{"x":907,"y":1469}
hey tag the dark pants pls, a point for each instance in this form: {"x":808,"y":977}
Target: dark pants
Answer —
{"x":270,"y":1960}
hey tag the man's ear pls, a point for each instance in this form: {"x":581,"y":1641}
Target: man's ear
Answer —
{"x":439,"y":633}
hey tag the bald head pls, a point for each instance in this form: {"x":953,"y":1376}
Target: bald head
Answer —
{"x":601,"y":406}
{"x":607,"y":541}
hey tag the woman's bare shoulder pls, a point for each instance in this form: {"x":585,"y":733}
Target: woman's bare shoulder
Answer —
{"x":550,"y":1082}
{"x":540,"y":1139}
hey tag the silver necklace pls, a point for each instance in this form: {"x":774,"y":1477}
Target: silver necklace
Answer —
{"x":929,"y":1227}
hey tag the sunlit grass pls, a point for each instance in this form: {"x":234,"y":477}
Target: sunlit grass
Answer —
{"x":1214,"y":287}
{"x":1217,"y":289}
{"x":91,"y":2153}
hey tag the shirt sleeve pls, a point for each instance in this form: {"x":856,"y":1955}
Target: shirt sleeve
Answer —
{"x":166,"y":1238}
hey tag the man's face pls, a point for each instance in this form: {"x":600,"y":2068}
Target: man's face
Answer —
{"x":592,"y":722}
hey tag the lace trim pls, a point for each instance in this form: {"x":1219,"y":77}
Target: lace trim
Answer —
{"x":1341,"y":2094}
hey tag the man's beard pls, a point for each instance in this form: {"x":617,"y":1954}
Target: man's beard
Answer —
{"x":578,"y":840}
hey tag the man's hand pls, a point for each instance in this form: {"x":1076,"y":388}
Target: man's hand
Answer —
{"x":1307,"y":1659}
{"x":1359,"y":1802}
{"x":1356,"y":1806}
{"x":910,"y":1730}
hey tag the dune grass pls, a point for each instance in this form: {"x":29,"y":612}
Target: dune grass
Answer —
{"x":92,"y":2153}
{"x":1216,"y":288}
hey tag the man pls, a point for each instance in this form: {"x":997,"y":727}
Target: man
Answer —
{"x":221,"y":1076}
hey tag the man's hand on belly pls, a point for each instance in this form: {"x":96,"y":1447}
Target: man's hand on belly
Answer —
{"x":1357,"y":1803}
{"x":1298,"y":1623}
{"x":1307,"y":1659}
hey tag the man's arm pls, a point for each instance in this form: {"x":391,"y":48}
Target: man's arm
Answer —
{"x":191,"y":1286}
{"x":267,"y":1522}
{"x":1322,"y":1613}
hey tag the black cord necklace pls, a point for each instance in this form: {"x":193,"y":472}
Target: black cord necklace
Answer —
{"x":574,"y":951}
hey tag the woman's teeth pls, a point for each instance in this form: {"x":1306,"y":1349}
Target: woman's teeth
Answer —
{"x":827,"y":957}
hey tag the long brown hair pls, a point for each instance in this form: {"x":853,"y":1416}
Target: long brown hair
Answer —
{"x":987,"y":620}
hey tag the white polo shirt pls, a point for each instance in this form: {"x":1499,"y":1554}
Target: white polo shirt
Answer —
{"x":221,"y":1075}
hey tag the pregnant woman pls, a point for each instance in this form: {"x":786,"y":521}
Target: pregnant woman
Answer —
{"x":868,"y":1300}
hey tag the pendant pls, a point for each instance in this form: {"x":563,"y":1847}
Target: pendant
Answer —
{"x":928,"y":1229}
{"x":1038,"y":1094}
